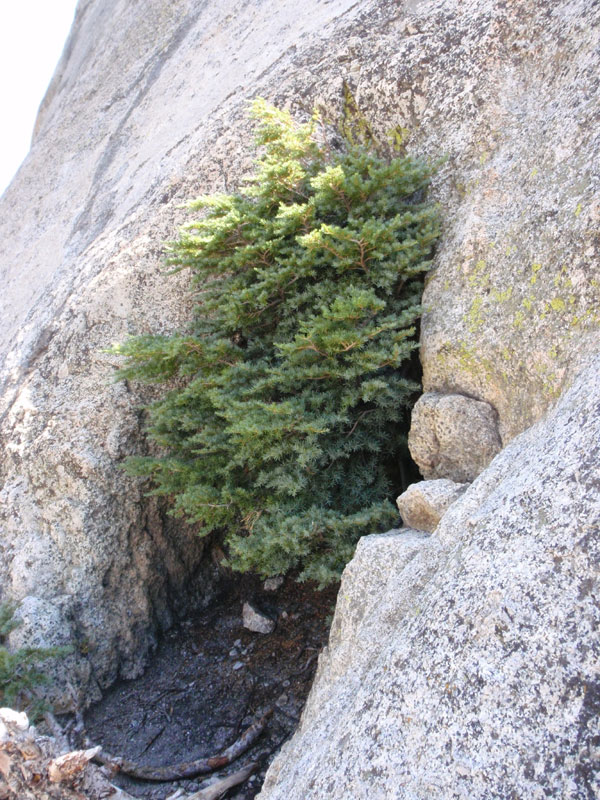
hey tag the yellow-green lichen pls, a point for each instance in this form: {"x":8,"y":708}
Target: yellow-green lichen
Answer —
{"x":518,"y":320}
{"x":557,"y":304}
{"x":550,"y":302}
{"x":502,"y":297}
{"x":474,"y":317}
{"x":535,"y":268}
{"x":480,"y":276}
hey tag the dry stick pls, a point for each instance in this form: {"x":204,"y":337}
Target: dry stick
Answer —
{"x":218,"y":789}
{"x":152,"y":740}
{"x":305,"y":667}
{"x":57,"y":732}
{"x":189,"y":769}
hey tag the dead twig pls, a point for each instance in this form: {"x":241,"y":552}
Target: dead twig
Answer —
{"x":57,"y":731}
{"x":152,"y":740}
{"x":303,"y":669}
{"x":218,"y":789}
{"x":189,"y":769}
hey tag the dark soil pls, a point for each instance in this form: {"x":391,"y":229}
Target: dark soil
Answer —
{"x":210,"y":679}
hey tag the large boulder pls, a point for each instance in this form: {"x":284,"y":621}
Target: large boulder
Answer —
{"x":147,"y":109}
{"x":464,"y":664}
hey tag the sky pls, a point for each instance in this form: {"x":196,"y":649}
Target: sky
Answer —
{"x":32,"y":36}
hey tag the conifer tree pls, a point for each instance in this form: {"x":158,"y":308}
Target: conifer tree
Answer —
{"x":21,"y":671}
{"x":288,"y":429}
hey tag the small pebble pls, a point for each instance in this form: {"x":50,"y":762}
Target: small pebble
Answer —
{"x":272,"y":584}
{"x":284,"y":615}
{"x":285,"y":684}
{"x":238,"y":665}
{"x":233,"y":653}
{"x":256,"y":620}
{"x":237,"y":643}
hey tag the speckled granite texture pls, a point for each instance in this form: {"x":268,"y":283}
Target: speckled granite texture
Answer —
{"x":466,"y":663}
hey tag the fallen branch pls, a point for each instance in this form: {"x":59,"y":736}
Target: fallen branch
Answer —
{"x":188,"y":769}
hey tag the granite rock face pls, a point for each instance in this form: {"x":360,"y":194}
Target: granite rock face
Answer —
{"x":464,"y":664}
{"x":147,"y":110}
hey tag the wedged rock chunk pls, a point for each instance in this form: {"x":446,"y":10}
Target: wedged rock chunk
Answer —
{"x":453,"y":436}
{"x":256,"y":621}
{"x":464,"y":664}
{"x":423,"y":504}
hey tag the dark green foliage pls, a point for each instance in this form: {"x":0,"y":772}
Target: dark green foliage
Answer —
{"x":20,"y":672}
{"x":308,"y":285}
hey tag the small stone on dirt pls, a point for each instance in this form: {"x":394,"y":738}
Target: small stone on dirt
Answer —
{"x":256,"y":621}
{"x":272,"y":584}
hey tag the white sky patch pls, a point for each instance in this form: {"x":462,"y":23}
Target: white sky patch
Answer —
{"x":32,"y":37}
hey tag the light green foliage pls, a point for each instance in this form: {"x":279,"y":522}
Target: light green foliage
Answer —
{"x":288,"y":432}
{"x":20,"y":670}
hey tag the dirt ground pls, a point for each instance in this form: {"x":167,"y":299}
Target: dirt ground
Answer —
{"x":210,"y":679}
